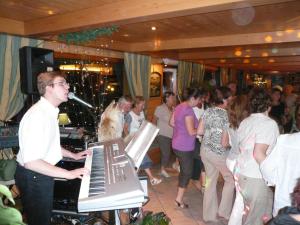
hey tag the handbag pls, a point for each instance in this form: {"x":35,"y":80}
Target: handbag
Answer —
{"x":7,"y":167}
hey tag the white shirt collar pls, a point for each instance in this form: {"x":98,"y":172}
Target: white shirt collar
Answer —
{"x":52,"y":108}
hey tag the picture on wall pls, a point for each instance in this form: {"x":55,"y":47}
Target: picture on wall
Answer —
{"x":155,"y":84}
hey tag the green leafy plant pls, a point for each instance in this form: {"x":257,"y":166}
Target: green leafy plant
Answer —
{"x":8,"y":215}
{"x":87,"y":35}
{"x":154,"y":219}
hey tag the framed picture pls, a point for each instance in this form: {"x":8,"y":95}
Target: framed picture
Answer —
{"x":155,"y":84}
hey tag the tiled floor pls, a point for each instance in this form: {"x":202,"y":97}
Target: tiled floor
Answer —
{"x":162,"y":200}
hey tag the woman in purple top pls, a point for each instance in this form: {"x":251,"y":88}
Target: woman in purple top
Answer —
{"x":185,"y":125}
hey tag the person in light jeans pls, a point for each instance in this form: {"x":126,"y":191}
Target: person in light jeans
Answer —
{"x":257,"y":135}
{"x":214,"y":126}
{"x":237,"y":111}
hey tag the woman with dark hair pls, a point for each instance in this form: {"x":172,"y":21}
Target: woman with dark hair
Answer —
{"x":161,"y":118}
{"x":214,"y":150}
{"x":257,"y":135}
{"x":296,"y":121}
{"x":277,"y":108}
{"x":185,"y":125}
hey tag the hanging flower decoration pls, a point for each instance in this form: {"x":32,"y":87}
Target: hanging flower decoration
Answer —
{"x":87,"y":35}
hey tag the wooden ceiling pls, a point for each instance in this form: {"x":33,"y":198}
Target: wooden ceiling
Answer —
{"x":255,"y":35}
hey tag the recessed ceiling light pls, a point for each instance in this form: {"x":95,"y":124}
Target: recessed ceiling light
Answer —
{"x":238,"y":53}
{"x":271,"y":60}
{"x":289,"y":31}
{"x":275,"y":71}
{"x":268,"y":38}
{"x":50,"y":12}
{"x":153,"y":28}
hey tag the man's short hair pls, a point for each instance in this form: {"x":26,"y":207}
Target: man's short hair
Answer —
{"x":46,"y":78}
{"x":125,"y":99}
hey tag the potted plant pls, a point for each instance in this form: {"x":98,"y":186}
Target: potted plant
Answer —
{"x":8,"y":215}
{"x":154,"y":219}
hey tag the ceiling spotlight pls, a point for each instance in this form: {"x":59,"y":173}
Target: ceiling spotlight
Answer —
{"x":153,"y":28}
{"x":271,"y":60}
{"x":238,"y":53}
{"x":268,"y":38}
{"x":289,"y":31}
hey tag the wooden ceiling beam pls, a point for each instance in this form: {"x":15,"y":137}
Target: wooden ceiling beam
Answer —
{"x":263,"y":67}
{"x":230,"y":53}
{"x":132,"y":11}
{"x":215,"y":41}
{"x":10,"y":26}
{"x":254,"y":60}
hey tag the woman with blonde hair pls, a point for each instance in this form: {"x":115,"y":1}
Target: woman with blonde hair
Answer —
{"x":237,"y":111}
{"x":133,"y":121}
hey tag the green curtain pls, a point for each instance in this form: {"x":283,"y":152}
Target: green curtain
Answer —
{"x":224,"y":76}
{"x":11,"y":97}
{"x":198,"y":74}
{"x":138,"y":68}
{"x":184,"y":76}
{"x":189,"y":75}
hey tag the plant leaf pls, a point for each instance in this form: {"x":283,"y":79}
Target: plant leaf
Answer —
{"x":6,"y":192}
{"x":10,"y":216}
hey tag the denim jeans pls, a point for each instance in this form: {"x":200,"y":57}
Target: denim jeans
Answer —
{"x":36,"y":195}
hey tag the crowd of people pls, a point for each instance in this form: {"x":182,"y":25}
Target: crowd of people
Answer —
{"x":218,"y":132}
{"x":251,"y":140}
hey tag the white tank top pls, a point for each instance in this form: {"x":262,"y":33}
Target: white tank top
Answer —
{"x":136,"y":122}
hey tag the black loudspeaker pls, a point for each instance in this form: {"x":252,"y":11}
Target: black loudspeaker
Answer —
{"x":32,"y":62}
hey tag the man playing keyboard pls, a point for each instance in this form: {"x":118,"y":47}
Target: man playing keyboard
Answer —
{"x":40,"y":150}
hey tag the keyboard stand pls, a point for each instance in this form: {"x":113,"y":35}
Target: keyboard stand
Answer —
{"x":117,"y":218}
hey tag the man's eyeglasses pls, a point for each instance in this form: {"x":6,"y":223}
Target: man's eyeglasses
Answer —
{"x":60,"y":83}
